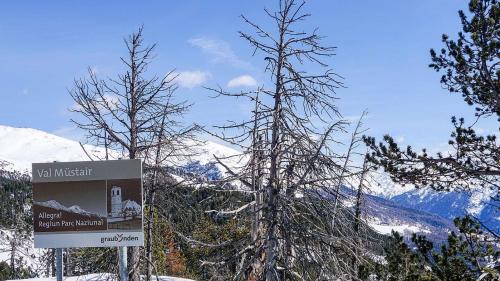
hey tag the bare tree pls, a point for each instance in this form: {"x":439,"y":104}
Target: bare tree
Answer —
{"x":357,"y":213}
{"x":289,"y":161}
{"x":133,"y":114}
{"x":173,"y":145}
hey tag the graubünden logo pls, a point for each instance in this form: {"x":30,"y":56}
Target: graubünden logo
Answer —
{"x":119,"y":238}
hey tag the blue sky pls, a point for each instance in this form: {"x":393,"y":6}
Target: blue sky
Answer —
{"x":383,"y":53}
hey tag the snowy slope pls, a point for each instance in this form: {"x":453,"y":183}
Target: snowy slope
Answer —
{"x":385,"y":215}
{"x":380,"y":184}
{"x":131,"y":206}
{"x":73,"y":209}
{"x":100,"y":277}
{"x":26,"y":255}
{"x":448,"y":205}
{"x":22,"y":146}
{"x":453,"y":204}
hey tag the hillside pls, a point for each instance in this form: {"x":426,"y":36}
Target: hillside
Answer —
{"x":100,"y":277}
{"x":22,"y":146}
{"x":453,"y":204}
{"x":385,"y":215}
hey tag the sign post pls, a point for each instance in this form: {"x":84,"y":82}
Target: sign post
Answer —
{"x":122,"y":267}
{"x":88,"y":204}
{"x":59,"y":264}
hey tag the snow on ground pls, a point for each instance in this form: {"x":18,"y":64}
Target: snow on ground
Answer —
{"x":402,"y":228}
{"x":209,"y":149}
{"x":386,"y":227}
{"x":101,"y":276}
{"x":25,"y":251}
{"x":478,"y":200}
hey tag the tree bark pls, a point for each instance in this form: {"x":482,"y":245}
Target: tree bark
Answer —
{"x":357,"y":218}
{"x":149,"y":229}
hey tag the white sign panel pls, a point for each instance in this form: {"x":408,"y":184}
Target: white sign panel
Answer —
{"x":88,"y":204}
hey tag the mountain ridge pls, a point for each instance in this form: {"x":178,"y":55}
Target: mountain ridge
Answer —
{"x":73,"y":209}
{"x":454,"y":204}
{"x":22,"y":146}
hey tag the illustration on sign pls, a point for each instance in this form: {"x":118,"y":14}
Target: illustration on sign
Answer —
{"x":69,"y":206}
{"x":124,"y":209}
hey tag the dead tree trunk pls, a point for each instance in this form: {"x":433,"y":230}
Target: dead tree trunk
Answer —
{"x":149,"y":242}
{"x":273,"y":186}
{"x":357,"y":217}
{"x":151,"y":197}
{"x":13,"y":253}
{"x":257,"y":231}
{"x":135,"y":255}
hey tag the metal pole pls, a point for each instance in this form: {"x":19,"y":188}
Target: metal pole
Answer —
{"x":59,"y":264}
{"x":122,"y":266}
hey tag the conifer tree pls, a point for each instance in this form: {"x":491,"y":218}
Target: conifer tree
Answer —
{"x":468,"y":255}
{"x":401,"y":263}
{"x":16,"y":222}
{"x":471,"y":67}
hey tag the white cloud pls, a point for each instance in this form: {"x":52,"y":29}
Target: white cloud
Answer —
{"x":400,"y":139}
{"x":112,"y":100}
{"x":242,"y":81}
{"x":220,"y":50}
{"x":191,"y":79}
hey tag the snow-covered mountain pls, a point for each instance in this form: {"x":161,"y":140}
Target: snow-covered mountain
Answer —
{"x":454,"y":204}
{"x":391,"y":206}
{"x":100,"y":277}
{"x":448,"y":205}
{"x":53,"y":204}
{"x":380,"y":184}
{"x":385,"y":215}
{"x":20,"y":147}
{"x":131,"y":206}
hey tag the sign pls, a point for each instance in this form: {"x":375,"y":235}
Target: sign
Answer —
{"x":88,"y":204}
